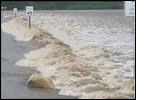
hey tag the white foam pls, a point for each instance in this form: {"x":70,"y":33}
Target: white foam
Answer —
{"x":104,"y":48}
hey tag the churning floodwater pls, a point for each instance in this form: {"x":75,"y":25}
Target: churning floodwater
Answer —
{"x":87,"y":53}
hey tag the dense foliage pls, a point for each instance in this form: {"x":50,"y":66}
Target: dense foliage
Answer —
{"x":64,"y":5}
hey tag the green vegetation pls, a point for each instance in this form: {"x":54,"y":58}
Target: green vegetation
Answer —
{"x":64,"y":5}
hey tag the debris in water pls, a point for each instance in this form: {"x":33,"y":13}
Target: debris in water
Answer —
{"x":38,"y":81}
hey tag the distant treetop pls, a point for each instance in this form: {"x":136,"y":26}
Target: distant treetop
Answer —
{"x":64,"y":5}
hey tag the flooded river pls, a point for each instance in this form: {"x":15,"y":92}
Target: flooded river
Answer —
{"x":87,"y":53}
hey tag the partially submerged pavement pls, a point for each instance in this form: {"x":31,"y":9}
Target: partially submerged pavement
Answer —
{"x":13,"y":77}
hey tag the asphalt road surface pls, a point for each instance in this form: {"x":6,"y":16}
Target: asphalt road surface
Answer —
{"x":14,"y":78}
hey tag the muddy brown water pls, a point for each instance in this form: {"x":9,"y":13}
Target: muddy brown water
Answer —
{"x":14,"y":78}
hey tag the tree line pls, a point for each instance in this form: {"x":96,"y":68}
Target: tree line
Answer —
{"x":64,"y":5}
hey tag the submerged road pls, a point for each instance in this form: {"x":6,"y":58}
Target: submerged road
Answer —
{"x":14,"y":78}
